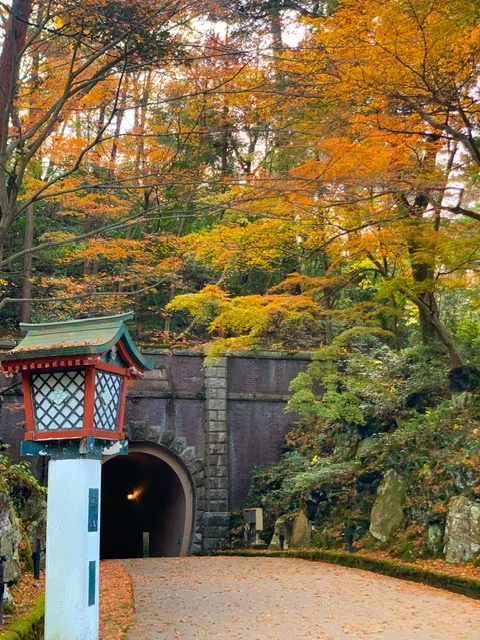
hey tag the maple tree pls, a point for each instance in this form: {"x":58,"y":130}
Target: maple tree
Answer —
{"x":404,"y":74}
{"x":382,"y":159}
{"x":75,"y":58}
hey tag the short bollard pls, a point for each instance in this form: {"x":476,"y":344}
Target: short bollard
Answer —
{"x":37,"y":556}
{"x":348,"y":536}
{"x":146,"y":544}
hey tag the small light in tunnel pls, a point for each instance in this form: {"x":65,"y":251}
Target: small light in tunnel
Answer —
{"x":135,"y":494}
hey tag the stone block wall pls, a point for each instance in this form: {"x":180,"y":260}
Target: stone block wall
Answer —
{"x":217,"y":514}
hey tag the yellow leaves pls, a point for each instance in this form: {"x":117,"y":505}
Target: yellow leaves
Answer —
{"x":259,"y":244}
{"x":255,"y":314}
{"x":231,"y":345}
{"x":405,"y":47}
{"x":364,"y":284}
{"x":251,"y":319}
{"x":55,"y":236}
{"x":204,"y":306}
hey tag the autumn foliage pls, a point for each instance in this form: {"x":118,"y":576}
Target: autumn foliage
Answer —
{"x":257,"y":175}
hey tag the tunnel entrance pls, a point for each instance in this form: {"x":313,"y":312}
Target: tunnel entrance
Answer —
{"x":145,"y":507}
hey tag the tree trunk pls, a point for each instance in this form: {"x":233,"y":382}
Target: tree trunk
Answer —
{"x":423,"y":272}
{"x":26,"y":308}
{"x":225,"y":128}
{"x":15,"y":38}
{"x":276,"y":31}
{"x":432,"y":317}
{"x":431,"y":326}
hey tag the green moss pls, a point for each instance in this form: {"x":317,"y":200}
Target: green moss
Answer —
{"x":457,"y":584}
{"x":326,"y":539}
{"x":406,"y":551}
{"x":26,"y":554}
{"x":28,"y":626}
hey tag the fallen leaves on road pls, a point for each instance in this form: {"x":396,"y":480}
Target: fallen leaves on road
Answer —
{"x":116,"y":600}
{"x":262,"y":598}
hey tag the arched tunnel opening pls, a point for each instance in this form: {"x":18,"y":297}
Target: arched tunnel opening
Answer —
{"x":144,"y":508}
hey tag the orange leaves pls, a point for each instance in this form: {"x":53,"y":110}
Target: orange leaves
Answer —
{"x":413,"y":53}
{"x":113,"y":250}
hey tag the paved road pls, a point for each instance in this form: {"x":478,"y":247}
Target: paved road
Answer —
{"x":288,"y":599}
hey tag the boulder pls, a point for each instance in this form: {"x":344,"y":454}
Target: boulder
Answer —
{"x":292,"y":531}
{"x":10,"y":537}
{"x":31,"y":504}
{"x":387,"y":513}
{"x":462,"y":530}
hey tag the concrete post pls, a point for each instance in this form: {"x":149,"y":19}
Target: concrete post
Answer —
{"x":72,"y":558}
{"x":217,"y":515}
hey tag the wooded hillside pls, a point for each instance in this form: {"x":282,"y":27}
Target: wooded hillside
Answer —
{"x":267,"y":173}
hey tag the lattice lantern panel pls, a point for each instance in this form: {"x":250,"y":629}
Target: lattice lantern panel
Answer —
{"x":58,"y":400}
{"x":107,"y":400}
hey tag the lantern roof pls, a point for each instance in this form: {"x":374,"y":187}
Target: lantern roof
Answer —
{"x":90,"y":336}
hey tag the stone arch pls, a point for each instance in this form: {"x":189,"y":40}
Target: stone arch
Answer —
{"x":151,"y":461}
{"x":143,"y":431}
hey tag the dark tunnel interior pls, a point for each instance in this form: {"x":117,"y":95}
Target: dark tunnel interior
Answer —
{"x":141,"y":494}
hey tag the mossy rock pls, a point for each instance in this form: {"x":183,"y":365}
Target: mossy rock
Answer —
{"x":326,"y":539}
{"x":366,"y":447}
{"x":292,"y":531}
{"x":433,"y":541}
{"x":10,"y":537}
{"x":462,"y":531}
{"x":388,"y":515}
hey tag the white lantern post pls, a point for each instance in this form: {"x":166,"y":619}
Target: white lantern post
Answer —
{"x":74,"y":378}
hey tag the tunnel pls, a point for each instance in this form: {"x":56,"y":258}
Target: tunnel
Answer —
{"x":146,"y":507}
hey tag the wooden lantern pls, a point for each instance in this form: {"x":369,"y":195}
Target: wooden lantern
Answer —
{"x":75,"y":375}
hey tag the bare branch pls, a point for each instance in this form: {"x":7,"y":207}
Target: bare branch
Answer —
{"x":81,"y":296}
